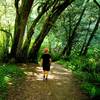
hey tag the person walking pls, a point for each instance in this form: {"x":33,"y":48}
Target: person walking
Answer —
{"x":46,"y":62}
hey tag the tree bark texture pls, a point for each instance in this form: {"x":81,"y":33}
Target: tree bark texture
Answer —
{"x":55,"y":12}
{"x":94,"y":31}
{"x":30,"y":33}
{"x":92,"y":35}
{"x":72,"y":37}
{"x":22,"y":14}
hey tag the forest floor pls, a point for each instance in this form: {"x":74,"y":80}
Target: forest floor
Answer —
{"x":61,"y":85}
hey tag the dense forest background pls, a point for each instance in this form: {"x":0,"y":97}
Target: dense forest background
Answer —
{"x":69,"y":28}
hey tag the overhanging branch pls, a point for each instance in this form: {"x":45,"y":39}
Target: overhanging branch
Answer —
{"x":97,"y":3}
{"x":6,"y":32}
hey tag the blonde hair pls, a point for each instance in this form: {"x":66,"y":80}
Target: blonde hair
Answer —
{"x":46,"y":50}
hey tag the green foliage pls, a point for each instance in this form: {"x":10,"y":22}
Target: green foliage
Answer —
{"x":67,"y":64}
{"x":55,"y":56}
{"x":53,"y":44}
{"x":87,"y":70}
{"x":90,"y":89}
{"x":9,"y":74}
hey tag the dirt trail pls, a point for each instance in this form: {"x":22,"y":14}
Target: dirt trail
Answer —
{"x":61,"y":85}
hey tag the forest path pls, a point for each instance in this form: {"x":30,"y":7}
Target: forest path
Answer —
{"x":61,"y":85}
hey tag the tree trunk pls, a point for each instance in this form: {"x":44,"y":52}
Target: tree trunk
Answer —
{"x":69,"y":33}
{"x":85,"y":40}
{"x":92,"y":35}
{"x":22,"y":14}
{"x":46,"y":6}
{"x":94,"y":31}
{"x":16,"y":36}
{"x":46,"y":27}
{"x":31,"y":30}
{"x":36,"y":46}
{"x":73,"y":35}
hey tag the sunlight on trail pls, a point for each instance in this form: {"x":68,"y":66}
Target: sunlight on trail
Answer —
{"x":61,"y":85}
{"x":53,"y":74}
{"x":29,"y":73}
{"x":39,"y":74}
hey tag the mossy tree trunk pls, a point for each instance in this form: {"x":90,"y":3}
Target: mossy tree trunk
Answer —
{"x":45,"y":7}
{"x":69,"y":45}
{"x":85,"y":39}
{"x":22,"y":13}
{"x":93,"y":32}
{"x":91,"y":36}
{"x":51,"y":18}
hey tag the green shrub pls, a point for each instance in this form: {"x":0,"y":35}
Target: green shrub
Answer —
{"x":87,"y":70}
{"x":67,"y":64}
{"x":91,"y":89}
{"x":9,"y":74}
{"x":55,"y":56}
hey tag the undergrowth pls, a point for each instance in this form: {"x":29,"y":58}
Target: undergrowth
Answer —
{"x":87,"y":70}
{"x":10,"y":74}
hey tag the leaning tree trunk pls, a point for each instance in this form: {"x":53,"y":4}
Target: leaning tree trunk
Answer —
{"x":69,"y":33}
{"x":46,"y":27}
{"x":94,"y":31}
{"x":29,"y":36}
{"x":39,"y":40}
{"x":71,"y":39}
{"x":22,"y":14}
{"x":92,"y":35}
{"x":30,"y":33}
{"x":85,"y":39}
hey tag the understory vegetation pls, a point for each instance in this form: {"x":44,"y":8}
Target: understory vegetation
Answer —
{"x":87,"y":70}
{"x":10,"y":74}
{"x":70,"y":29}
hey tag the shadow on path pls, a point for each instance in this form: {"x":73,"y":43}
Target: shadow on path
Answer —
{"x":61,"y":85}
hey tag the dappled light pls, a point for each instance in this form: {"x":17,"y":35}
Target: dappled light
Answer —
{"x":53,"y":74}
{"x":40,"y":33}
{"x":60,"y":85}
{"x":29,"y":73}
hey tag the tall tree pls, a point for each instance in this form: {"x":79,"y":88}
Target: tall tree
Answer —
{"x":23,"y":8}
{"x":69,"y":45}
{"x":22,"y":13}
{"x":42,"y":9}
{"x":85,"y":39}
{"x":93,"y":32}
{"x":50,"y":20}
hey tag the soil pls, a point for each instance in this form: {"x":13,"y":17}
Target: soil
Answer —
{"x":61,"y":85}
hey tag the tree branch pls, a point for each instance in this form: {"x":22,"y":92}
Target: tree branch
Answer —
{"x":97,"y":3}
{"x":6,"y":32}
{"x":16,"y":5}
